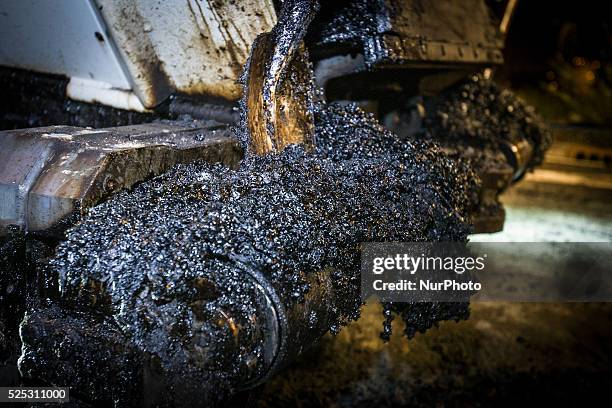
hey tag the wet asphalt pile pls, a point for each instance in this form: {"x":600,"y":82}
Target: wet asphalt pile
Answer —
{"x":173,"y":269}
{"x":478,"y":113}
{"x":345,"y":22}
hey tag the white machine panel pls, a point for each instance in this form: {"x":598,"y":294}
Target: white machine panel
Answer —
{"x":64,"y":37}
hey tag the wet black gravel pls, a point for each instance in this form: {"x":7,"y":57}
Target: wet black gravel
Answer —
{"x":478,"y":112}
{"x":346,"y":22}
{"x":169,"y":262}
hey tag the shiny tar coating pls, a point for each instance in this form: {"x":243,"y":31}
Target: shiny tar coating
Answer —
{"x":169,"y":262}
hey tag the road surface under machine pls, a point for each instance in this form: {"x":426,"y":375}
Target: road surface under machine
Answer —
{"x":184,"y":184}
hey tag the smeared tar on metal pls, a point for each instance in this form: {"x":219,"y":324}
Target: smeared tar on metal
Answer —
{"x":168,"y":261}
